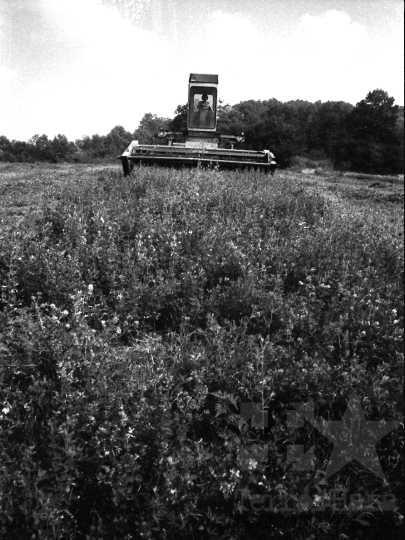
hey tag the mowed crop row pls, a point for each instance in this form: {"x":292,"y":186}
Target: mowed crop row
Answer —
{"x":139,"y":317}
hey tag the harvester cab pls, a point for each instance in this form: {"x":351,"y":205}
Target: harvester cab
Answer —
{"x":202,"y":104}
{"x":202,"y":140}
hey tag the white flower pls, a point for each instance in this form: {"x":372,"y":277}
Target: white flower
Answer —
{"x":90,"y":289}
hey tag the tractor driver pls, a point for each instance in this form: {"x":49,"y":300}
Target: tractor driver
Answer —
{"x":203,"y":105}
{"x":204,"y":111}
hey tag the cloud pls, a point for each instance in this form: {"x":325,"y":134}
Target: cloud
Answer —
{"x":80,"y":66}
{"x":332,"y":35}
{"x":316,"y":59}
{"x":335,"y":56}
{"x":7,"y":73}
{"x":330,"y":52}
{"x":96,"y":70}
{"x":234,"y":49}
{"x":115,"y":61}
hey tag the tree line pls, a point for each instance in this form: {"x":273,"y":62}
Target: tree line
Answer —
{"x":60,"y":149}
{"x":368,"y":137}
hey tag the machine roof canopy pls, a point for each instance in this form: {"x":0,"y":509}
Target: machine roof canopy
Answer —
{"x":203,"y":78}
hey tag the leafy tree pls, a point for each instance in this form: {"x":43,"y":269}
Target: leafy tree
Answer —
{"x":117,"y":140}
{"x":94,"y":146}
{"x":399,"y":130}
{"x":179,"y":122}
{"x":276,"y":135}
{"x":252,"y":112}
{"x":4,"y":143}
{"x":21,"y":151}
{"x":42,"y":148}
{"x":373,"y":144}
{"x":279,"y":129}
{"x":98,"y":146}
{"x":146,"y":133}
{"x":374,"y":117}
{"x":325,"y":126}
{"x":5,"y":146}
{"x":230,"y":119}
{"x":62,"y":148}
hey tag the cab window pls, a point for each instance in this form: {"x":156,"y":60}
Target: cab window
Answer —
{"x":202,"y":112}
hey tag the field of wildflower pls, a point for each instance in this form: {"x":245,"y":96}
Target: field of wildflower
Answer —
{"x":198,"y":354}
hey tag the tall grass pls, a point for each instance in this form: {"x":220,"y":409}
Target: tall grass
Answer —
{"x":139,"y":313}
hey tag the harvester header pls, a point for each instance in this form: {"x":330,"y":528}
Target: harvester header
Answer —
{"x":203,"y":143}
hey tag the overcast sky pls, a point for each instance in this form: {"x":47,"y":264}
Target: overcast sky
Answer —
{"x":80,"y":67}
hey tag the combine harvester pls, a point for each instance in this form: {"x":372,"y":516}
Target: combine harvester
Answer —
{"x":202,"y":140}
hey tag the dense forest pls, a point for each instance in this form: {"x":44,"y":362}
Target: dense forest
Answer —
{"x":368,"y":137}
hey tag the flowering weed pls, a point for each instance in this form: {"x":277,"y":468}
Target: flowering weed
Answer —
{"x":140,"y":316}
